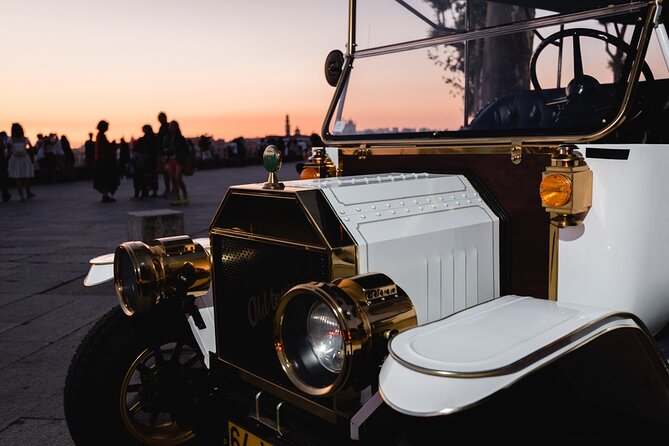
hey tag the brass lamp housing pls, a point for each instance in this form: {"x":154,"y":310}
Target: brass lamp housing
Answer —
{"x":570,"y":165}
{"x":319,"y":165}
{"x":369,"y":309}
{"x":144,"y":275}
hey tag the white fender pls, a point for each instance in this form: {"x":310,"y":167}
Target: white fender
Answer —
{"x":102,"y":270}
{"x":452,"y":364}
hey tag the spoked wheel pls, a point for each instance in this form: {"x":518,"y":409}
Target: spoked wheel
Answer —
{"x":134,"y":382}
{"x":144,"y":401}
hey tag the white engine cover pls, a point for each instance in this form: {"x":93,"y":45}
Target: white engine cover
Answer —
{"x":432,"y":234}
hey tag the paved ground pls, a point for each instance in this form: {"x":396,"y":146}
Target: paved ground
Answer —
{"x":45,"y":310}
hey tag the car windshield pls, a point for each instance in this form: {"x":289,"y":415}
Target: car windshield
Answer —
{"x":440,"y":69}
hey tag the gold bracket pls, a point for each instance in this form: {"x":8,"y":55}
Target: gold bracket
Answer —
{"x":516,"y":154}
{"x":363,"y":152}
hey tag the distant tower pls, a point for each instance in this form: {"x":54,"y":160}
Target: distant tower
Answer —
{"x":287,"y":126}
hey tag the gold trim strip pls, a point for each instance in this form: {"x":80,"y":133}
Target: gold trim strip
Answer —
{"x":261,"y":238}
{"x":553,"y":251}
{"x":415,"y":149}
{"x":548,"y":363}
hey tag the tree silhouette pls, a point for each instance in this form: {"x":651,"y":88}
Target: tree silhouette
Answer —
{"x":495,"y":66}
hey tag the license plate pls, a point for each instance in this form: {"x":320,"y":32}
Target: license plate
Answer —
{"x":238,"y":436}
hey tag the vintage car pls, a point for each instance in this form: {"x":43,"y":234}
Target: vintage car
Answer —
{"x":476,"y":254}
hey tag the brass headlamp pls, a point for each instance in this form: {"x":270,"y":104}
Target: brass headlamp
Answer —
{"x":329,"y":336}
{"x":171,"y":267}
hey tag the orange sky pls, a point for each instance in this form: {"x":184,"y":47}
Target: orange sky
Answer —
{"x":220,"y":67}
{"x":223,"y":68}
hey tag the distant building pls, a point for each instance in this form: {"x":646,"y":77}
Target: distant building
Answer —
{"x":349,"y":128}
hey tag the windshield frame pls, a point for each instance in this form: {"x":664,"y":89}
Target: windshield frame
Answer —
{"x":521,"y":140}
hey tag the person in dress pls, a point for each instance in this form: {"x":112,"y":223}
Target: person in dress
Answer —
{"x":106,"y":170}
{"x":20,"y":166}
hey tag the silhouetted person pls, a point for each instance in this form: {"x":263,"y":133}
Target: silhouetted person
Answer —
{"x":204,"y":146}
{"x":163,"y":139}
{"x":47,"y":157}
{"x":89,"y":153}
{"x":106,"y":170}
{"x":143,"y":159}
{"x":176,"y":151}
{"x":20,"y":166}
{"x":59,"y":155}
{"x":123,"y":157}
{"x":150,"y":142}
{"x":4,"y":157}
{"x":68,"y":158}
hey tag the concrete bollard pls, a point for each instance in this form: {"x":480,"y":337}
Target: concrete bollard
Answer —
{"x":149,"y":225}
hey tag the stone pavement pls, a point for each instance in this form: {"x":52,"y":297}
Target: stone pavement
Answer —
{"x":45,"y":310}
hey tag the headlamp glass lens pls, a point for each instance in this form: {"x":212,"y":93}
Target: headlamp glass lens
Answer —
{"x":127,"y":280}
{"x":325,"y":337}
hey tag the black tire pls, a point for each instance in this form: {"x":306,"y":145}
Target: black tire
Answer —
{"x":118,"y":357}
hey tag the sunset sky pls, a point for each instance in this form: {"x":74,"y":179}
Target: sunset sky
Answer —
{"x":220,"y":67}
{"x":225,"y":68}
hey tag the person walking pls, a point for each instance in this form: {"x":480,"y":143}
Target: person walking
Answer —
{"x":106,"y":171}
{"x":20,"y":167}
{"x":177,"y":150}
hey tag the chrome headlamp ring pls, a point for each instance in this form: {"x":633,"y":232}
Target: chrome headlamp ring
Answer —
{"x":329,"y":336}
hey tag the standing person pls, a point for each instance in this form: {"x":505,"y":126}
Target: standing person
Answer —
{"x":106,"y":171}
{"x":4,"y":156}
{"x":204,"y":145}
{"x":124,"y":158}
{"x":20,"y":167}
{"x":89,"y":152}
{"x":143,"y":151}
{"x":177,"y":151}
{"x":163,"y":139}
{"x":68,"y":158}
{"x":58,"y":155}
{"x":47,"y":161}
{"x":150,"y":143}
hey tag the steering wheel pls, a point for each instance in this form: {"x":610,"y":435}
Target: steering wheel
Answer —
{"x":582,"y":90}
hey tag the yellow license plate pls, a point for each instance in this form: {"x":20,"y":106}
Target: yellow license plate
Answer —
{"x":238,"y":436}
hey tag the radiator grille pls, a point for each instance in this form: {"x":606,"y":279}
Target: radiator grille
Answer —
{"x":250,"y":277}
